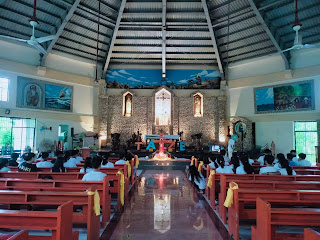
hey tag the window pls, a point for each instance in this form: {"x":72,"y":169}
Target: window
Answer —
{"x":17,"y":132}
{"x":4,"y":89}
{"x":306,"y":138}
{"x":163,"y":108}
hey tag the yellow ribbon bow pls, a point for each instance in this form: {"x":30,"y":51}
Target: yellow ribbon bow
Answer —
{"x":200,"y":166}
{"x":96,"y":202}
{"x":229,"y":199}
{"x":137,"y":161}
{"x":121,"y":187}
{"x":192,"y":161}
{"x":212,"y":172}
{"x":129,"y":169}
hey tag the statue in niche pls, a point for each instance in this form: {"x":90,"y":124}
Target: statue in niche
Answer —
{"x":197,"y":105}
{"x":128,"y":105}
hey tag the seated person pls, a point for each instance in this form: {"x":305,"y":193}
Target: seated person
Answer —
{"x":74,"y":154}
{"x":68,"y":161}
{"x":196,"y":178}
{"x":44,"y":162}
{"x":276,"y":162}
{"x":265,"y":153}
{"x":58,"y":165}
{"x":222,"y":168}
{"x":290,"y":159}
{"x":251,"y":161}
{"x":235,"y":160}
{"x":269,"y":165}
{"x":285,"y":168}
{"x":212,"y":162}
{"x":245,"y":167}
{"x":294,"y":153}
{"x":78,"y":157}
{"x":57,"y":154}
{"x":95,"y":175}
{"x":302,"y":160}
{"x":225,"y":156}
{"x":87,"y":166}
{"x":122,"y":160}
{"x":13,"y":161}
{"x":105,"y":163}
{"x":27,"y":165}
{"x":3,"y":165}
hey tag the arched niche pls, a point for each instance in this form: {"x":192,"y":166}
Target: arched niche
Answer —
{"x":127,"y":104}
{"x":197,"y":105}
{"x":163,"y":100}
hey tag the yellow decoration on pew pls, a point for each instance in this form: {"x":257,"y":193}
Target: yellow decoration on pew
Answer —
{"x":136,"y":158}
{"x":212,"y":172}
{"x":200,"y":166}
{"x":96,"y":202}
{"x":192,"y":161}
{"x":129,"y":169}
{"x":229,"y":199}
{"x":121,"y":187}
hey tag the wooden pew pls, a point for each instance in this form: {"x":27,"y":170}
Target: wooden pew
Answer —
{"x":59,"y":222}
{"x":45,"y":198}
{"x":310,"y":234}
{"x":244,"y":197}
{"x":272,"y":184}
{"x":67,"y":186}
{"x":269,"y":218}
{"x":22,"y":235}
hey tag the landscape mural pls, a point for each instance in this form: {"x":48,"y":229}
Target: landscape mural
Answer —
{"x":288,"y":97}
{"x":152,"y":78}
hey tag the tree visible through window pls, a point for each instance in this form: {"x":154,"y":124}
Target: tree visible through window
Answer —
{"x":4,"y":87}
{"x":306,"y":138}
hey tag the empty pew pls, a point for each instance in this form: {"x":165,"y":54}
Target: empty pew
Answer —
{"x":44,"y":198}
{"x":67,"y":186}
{"x":274,"y":183}
{"x":310,"y":234}
{"x":269,"y":218}
{"x":59,"y":222}
{"x":22,"y":235}
{"x":245,"y":197}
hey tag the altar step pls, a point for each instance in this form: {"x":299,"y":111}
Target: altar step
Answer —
{"x":163,"y":165}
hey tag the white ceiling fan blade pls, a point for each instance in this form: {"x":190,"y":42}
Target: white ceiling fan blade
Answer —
{"x":40,"y":48}
{"x":311,"y":45}
{"x":286,"y":50}
{"x":45,"y":39}
{"x":13,"y":38}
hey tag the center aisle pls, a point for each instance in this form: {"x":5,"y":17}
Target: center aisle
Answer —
{"x":164,"y":206}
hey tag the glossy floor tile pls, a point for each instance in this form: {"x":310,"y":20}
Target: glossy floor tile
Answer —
{"x":164,"y":206}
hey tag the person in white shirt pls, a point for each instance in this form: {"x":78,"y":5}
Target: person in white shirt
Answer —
{"x":269,"y":167}
{"x":196,"y":178}
{"x":285,"y":169}
{"x":44,"y":162}
{"x":225,"y":156}
{"x":231,"y":143}
{"x":74,"y":158}
{"x":106,"y":164}
{"x":78,"y":157}
{"x":261,"y":158}
{"x":294,"y":153}
{"x":95,"y":175}
{"x":212,"y":162}
{"x":280,"y":157}
{"x":222,"y":168}
{"x":69,"y":162}
{"x":121,"y":161}
{"x":3,"y":166}
{"x":87,"y":166}
{"x":245,"y":167}
{"x":302,"y":160}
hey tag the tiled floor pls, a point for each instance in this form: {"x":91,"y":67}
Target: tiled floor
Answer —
{"x":164,"y":206}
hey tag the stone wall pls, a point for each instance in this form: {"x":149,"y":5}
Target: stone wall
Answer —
{"x":212,"y":125}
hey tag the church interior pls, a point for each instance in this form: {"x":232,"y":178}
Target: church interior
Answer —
{"x":159,"y":119}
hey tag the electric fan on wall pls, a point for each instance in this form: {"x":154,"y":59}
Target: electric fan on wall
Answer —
{"x":33,"y":41}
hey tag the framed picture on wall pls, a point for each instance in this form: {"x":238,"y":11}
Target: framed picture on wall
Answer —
{"x":291,"y":97}
{"x":58,"y":97}
{"x":38,"y":94}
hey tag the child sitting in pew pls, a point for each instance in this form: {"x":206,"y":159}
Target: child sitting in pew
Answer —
{"x":44,"y":161}
{"x":290,"y":159}
{"x":95,"y":175}
{"x":13,"y":161}
{"x":69,"y":162}
{"x":285,"y":168}
{"x":268,"y":159}
{"x":3,"y":165}
{"x":105,"y":163}
{"x":58,"y":165}
{"x":222,"y":168}
{"x":302,"y":160}
{"x":245,"y":167}
{"x":122,"y":160}
{"x":78,"y":157}
{"x":87,"y":166}
{"x":75,"y":157}
{"x":212,"y":162}
{"x":266,"y":152}
{"x":27,"y":165}
{"x":196,"y":178}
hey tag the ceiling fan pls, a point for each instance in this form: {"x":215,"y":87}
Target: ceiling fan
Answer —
{"x":33,"y":41}
{"x":297,"y":44}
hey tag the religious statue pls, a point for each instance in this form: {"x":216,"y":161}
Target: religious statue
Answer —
{"x":197,"y":106}
{"x":128,"y":106}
